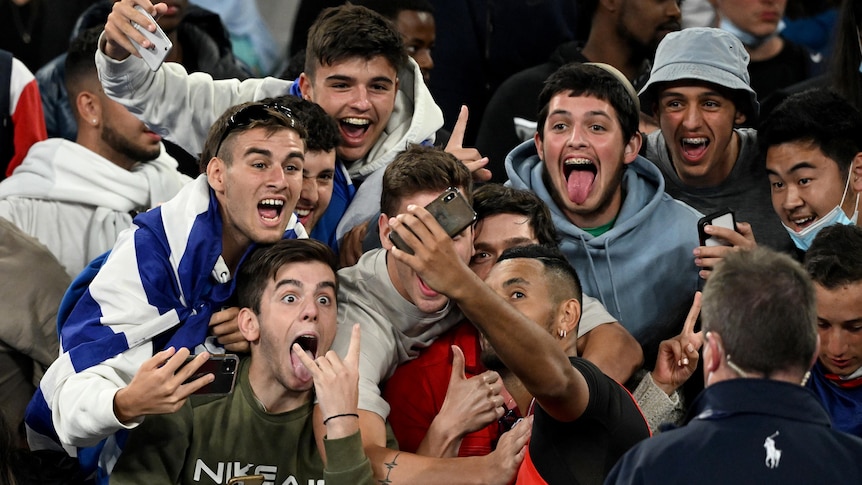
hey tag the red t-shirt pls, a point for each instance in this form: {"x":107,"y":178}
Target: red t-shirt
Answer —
{"x":417,"y":389}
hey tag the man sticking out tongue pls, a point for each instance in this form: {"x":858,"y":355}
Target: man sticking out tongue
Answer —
{"x":629,"y":240}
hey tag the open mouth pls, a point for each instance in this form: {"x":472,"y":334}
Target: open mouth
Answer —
{"x":694,"y":148}
{"x":354,"y":127}
{"x":580,"y":175}
{"x":803,"y":222}
{"x":270,"y":209}
{"x":308,"y":344}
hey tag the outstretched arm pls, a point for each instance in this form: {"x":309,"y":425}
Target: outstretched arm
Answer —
{"x":548,"y":375}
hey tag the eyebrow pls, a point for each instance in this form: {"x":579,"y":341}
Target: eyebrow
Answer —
{"x":670,"y":93}
{"x":798,"y":166}
{"x":517,"y":280}
{"x":377,"y":79}
{"x":299,"y":284}
{"x":508,"y":243}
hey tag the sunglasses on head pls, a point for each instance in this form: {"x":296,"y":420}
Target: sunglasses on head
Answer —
{"x":254,"y":112}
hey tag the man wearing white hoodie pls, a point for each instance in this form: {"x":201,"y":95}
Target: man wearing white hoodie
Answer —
{"x":76,"y":197}
{"x":356,"y":69}
{"x":630,"y":242}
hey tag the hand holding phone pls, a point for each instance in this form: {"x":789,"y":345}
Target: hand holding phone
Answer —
{"x":223,"y":367}
{"x":723,"y":218}
{"x":161,"y":45}
{"x":452,"y":212}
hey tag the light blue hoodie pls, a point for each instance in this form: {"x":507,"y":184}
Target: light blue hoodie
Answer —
{"x":642,"y":269}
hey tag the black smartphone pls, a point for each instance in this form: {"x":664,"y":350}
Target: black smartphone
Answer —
{"x":223,"y":366}
{"x":451,"y":210}
{"x":722,"y":218}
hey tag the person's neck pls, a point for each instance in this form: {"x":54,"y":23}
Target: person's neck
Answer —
{"x":611,"y":50}
{"x":600,"y":216}
{"x":767,"y":50}
{"x":516,"y":389}
{"x":271,"y":394}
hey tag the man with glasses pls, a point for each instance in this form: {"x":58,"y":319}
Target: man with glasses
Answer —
{"x":150,"y":304}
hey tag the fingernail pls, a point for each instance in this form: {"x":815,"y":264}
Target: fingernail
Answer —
{"x":689,"y":348}
{"x":685,"y":361}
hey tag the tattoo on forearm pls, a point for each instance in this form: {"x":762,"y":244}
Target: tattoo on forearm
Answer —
{"x":389,"y":467}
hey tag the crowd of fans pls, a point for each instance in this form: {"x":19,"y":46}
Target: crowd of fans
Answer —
{"x":235,"y":268}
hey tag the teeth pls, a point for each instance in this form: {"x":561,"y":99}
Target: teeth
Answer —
{"x":695,"y":141}
{"x":578,"y":161}
{"x":355,"y":121}
{"x":302,"y":212}
{"x":275,"y":202}
{"x":802,"y":221}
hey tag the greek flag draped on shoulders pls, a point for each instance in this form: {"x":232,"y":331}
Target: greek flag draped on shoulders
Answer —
{"x":158,"y":288}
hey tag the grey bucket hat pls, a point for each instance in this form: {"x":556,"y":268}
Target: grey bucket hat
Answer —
{"x":704,"y":54}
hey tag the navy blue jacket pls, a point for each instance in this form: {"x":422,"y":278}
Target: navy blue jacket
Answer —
{"x":747,"y":431}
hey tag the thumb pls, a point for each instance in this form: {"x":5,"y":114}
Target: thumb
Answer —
{"x":457,"y":365}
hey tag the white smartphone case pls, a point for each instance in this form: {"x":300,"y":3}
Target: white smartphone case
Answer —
{"x":155,"y":55}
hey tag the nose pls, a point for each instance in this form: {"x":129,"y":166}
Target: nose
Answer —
{"x":309,"y":189}
{"x":833,"y":343}
{"x":691,"y":118}
{"x":276,"y":177}
{"x":673,"y":10}
{"x":360,"y":99}
{"x":424,"y":59}
{"x":576,"y":137}
{"x":310,"y":310}
{"x":792,"y":200}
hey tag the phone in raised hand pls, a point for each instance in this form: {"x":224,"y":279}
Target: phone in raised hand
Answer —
{"x":155,"y":55}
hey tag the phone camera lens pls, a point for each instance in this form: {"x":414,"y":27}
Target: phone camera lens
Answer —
{"x":449,"y":197}
{"x":228,"y":366}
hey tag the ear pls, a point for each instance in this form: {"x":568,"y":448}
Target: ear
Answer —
{"x":215,"y":174}
{"x":816,"y":352}
{"x":632,"y":148}
{"x":856,"y":173}
{"x":249,"y":326}
{"x":538,"y":141}
{"x":306,"y":87}
{"x":609,"y":5}
{"x":714,"y":346}
{"x":383,"y":229}
{"x":89,"y":108}
{"x":739,"y":118}
{"x":568,"y":316}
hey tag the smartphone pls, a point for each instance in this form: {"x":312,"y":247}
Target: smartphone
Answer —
{"x":451,"y":210}
{"x":223,"y":366}
{"x":247,"y":480}
{"x":722,"y":218}
{"x":155,"y":55}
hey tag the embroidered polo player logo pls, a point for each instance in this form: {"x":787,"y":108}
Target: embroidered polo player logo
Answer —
{"x":773,"y":454}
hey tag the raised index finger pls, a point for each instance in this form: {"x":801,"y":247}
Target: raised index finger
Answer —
{"x":691,"y":319}
{"x":456,"y":140}
{"x":352,"y":357}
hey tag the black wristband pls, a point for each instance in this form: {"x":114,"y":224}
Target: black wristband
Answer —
{"x":340,"y":416}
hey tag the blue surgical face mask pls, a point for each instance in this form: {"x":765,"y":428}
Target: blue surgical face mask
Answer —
{"x":805,"y":237}
{"x":749,"y":40}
